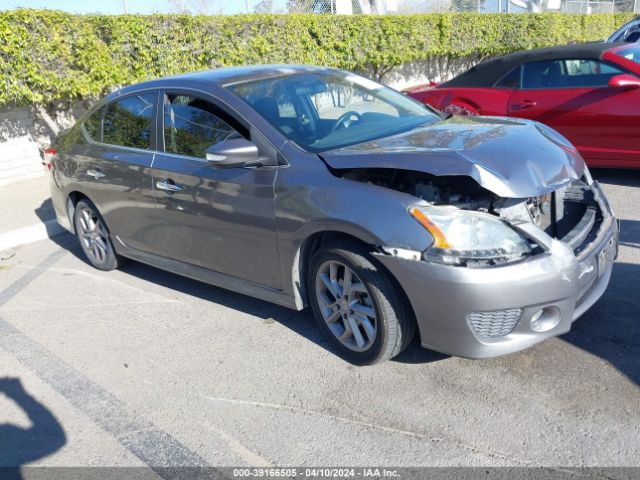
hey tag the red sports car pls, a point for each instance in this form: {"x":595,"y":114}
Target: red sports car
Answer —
{"x":589,"y":92}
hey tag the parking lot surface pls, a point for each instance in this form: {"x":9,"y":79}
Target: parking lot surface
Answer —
{"x":141,"y":367}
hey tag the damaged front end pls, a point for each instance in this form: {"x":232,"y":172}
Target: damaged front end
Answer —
{"x":473,"y":227}
{"x":481,"y":183}
{"x":552,"y":254}
{"x":572,"y":214}
{"x":521,"y":240}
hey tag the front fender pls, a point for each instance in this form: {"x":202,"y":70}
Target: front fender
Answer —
{"x":309,"y":199}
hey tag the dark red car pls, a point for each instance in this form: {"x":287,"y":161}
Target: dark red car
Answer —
{"x":588,"y":92}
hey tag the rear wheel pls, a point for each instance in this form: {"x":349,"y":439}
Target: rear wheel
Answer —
{"x":93,"y":236}
{"x":356,"y":306}
{"x":460,"y":108}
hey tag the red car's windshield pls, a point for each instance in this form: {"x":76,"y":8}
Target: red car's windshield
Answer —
{"x":630,"y":53}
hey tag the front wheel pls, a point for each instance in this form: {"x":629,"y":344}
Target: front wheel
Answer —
{"x":356,"y":305}
{"x":94,"y":238}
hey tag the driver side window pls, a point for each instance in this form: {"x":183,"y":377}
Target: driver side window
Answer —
{"x":567,"y":73}
{"x":192,"y":125}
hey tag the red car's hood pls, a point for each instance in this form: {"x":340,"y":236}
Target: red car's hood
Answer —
{"x":511,"y":157}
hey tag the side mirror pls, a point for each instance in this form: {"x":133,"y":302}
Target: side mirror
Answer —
{"x":233,"y":153}
{"x":624,"y":81}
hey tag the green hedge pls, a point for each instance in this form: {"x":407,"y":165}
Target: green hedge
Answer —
{"x":48,"y":57}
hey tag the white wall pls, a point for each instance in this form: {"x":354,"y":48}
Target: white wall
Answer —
{"x":24,"y":132}
{"x":19,"y":136}
{"x":436,"y":69}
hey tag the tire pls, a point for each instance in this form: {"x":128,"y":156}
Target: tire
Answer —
{"x":93,"y":236}
{"x":372,"y":301}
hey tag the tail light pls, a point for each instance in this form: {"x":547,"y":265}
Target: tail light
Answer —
{"x":48,"y":157}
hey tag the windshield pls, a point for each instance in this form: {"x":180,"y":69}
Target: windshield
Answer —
{"x":630,"y":53}
{"x":329,"y":109}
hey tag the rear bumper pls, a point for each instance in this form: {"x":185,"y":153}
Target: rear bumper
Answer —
{"x":59,"y":201}
{"x":563,"y":285}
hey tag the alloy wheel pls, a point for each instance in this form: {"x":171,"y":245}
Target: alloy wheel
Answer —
{"x":346,"y":306}
{"x":93,"y":235}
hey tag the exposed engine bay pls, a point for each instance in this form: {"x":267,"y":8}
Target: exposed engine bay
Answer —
{"x":569,"y":214}
{"x":461,"y":191}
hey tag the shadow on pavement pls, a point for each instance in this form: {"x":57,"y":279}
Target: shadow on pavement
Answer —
{"x":301,"y":323}
{"x":416,"y":353}
{"x":623,"y":178}
{"x":19,"y":445}
{"x":610,"y":329}
{"x":630,"y":233}
{"x":45,"y":211}
{"x":47,"y":216}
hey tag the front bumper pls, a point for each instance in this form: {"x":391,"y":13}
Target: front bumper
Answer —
{"x":559,"y":282}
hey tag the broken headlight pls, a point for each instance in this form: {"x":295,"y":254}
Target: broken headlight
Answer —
{"x":462,"y":237}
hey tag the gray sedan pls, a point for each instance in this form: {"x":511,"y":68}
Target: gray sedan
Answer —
{"x":314,"y":186}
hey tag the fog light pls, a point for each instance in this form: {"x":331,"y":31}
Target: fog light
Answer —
{"x":545,"y":319}
{"x":536,"y":316}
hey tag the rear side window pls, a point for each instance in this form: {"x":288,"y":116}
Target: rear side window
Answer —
{"x":93,"y":125}
{"x":128,"y":122}
{"x":510,"y":80}
{"x":568,"y":73}
{"x":192,"y":125}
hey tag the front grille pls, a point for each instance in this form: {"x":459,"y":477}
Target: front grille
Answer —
{"x":497,"y":323}
{"x":570,"y":214}
{"x":581,"y":216}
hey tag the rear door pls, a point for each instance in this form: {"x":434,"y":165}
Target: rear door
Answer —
{"x":216,"y":218}
{"x":114,"y":168}
{"x":573,"y":96}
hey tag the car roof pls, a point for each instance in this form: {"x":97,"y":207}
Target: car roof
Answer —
{"x":487,"y":73}
{"x":220,"y":77}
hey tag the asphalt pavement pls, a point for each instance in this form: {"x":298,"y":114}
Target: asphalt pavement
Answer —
{"x":141,"y":367}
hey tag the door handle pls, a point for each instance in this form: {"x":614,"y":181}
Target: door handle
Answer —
{"x":168,"y":186}
{"x":524,"y":104}
{"x":95,"y":173}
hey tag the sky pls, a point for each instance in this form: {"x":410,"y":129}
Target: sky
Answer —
{"x":135,"y":6}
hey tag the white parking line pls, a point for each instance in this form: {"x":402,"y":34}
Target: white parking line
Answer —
{"x":30,"y":234}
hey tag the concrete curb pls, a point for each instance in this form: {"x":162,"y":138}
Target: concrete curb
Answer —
{"x":30,"y":234}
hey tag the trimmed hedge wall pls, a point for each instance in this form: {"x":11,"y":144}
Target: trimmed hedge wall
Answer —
{"x":49,"y":57}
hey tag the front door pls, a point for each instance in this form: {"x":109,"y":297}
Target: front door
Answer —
{"x":219,"y":219}
{"x":573,"y":97}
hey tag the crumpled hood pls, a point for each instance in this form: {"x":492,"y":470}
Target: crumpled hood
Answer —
{"x":513,"y":158}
